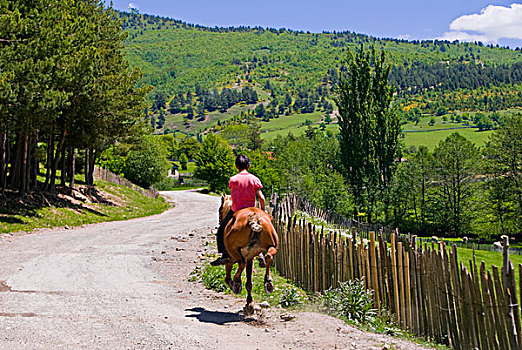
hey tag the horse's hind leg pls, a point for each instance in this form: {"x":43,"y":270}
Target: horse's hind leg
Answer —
{"x":269,"y":284}
{"x":228,"y":278}
{"x":249,"y":310}
{"x":236,"y":284}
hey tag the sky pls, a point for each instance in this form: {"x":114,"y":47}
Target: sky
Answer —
{"x":489,"y":21}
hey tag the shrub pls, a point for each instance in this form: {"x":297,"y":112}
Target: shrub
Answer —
{"x":213,"y":277}
{"x":166,"y":184}
{"x":290,"y":297}
{"x":147,"y":162}
{"x":351,"y":301}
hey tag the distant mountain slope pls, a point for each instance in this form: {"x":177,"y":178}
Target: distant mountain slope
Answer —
{"x":194,"y":68}
{"x":175,"y":56}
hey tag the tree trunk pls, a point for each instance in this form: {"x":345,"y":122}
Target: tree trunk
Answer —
{"x":35,"y":161}
{"x":15,"y":170}
{"x":63,"y":168}
{"x":72,"y":166}
{"x":87,"y":165}
{"x":3,"y":159}
{"x":50,"y":150}
{"x":55,"y":159}
{"x":24,"y":174}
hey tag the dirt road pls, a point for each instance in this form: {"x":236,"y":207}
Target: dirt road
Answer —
{"x":125,"y":285}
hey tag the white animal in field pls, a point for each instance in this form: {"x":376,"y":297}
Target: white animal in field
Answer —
{"x":464,"y":239}
{"x":497,"y":245}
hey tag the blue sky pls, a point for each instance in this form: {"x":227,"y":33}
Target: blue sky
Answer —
{"x":466,"y":20}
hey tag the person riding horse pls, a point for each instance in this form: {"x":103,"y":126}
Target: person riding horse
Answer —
{"x":245,"y":232}
{"x":244,"y":188}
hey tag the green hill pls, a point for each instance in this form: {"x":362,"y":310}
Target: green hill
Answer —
{"x":199,"y":74}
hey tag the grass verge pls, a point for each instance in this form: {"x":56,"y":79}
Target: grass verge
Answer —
{"x":104,"y":202}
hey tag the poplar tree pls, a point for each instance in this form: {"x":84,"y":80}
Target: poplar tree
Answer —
{"x":369,"y":128}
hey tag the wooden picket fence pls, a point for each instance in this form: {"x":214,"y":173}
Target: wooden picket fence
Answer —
{"x":426,"y":288}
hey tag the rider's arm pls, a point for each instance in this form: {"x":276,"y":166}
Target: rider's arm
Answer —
{"x":261,"y":199}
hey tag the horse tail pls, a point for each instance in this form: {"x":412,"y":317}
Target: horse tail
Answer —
{"x":253,"y":221}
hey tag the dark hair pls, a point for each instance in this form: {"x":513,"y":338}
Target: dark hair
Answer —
{"x":242,"y":162}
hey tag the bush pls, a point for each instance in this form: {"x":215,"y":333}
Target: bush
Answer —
{"x":290,"y":297}
{"x":167,"y":184}
{"x":147,"y":162}
{"x":351,"y":301}
{"x":213,"y":277}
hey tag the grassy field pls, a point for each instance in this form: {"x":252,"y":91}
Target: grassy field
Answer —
{"x":294,"y":124}
{"x":489,"y":258}
{"x":424,"y":134}
{"x":120,"y":203}
{"x":432,"y":138}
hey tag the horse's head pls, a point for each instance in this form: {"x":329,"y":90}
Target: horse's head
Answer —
{"x":225,"y":207}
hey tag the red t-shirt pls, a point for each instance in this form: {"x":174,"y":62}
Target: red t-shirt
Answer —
{"x":243,"y":188}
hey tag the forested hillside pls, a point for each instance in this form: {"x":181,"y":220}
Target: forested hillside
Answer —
{"x":191,"y":67}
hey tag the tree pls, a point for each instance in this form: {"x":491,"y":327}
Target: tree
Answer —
{"x":171,"y":145}
{"x":456,"y":162}
{"x":260,"y":110}
{"x":189,"y":146}
{"x":65,"y":85}
{"x":215,"y":162}
{"x":328,"y":119}
{"x":160,"y":101}
{"x":183,"y":160}
{"x":147,"y":162}
{"x":504,"y":165}
{"x":369,"y":128}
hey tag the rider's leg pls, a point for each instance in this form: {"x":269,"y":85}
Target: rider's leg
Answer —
{"x":221,"y":241}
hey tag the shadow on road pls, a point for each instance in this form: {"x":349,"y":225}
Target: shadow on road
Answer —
{"x":216,"y":317}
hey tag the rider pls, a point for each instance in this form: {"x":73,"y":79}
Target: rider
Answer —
{"x":244,"y":187}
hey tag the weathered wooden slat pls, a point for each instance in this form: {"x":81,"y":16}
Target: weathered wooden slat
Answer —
{"x":452,"y":329}
{"x":513,"y":308}
{"x":468,"y":302}
{"x":395,"y":278}
{"x":373,"y":266}
{"x":502,"y":304}
{"x":478,"y":306}
{"x":488,"y":309}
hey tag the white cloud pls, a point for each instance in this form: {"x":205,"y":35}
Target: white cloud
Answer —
{"x":404,"y":36}
{"x":132,"y":6}
{"x":490,"y":25}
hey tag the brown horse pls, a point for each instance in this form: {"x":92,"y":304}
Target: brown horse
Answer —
{"x":247,"y":235}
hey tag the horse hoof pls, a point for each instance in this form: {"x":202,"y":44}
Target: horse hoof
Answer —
{"x":237,"y":287}
{"x":269,"y":287}
{"x":262,"y":262}
{"x":248,"y":310}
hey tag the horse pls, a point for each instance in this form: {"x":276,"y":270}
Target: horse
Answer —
{"x":248,"y":234}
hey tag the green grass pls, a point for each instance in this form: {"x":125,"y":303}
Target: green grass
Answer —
{"x":489,"y":258}
{"x":432,"y":138}
{"x":129,"y":204}
{"x":293,"y":124}
{"x":424,"y":134}
{"x":214,"y":278}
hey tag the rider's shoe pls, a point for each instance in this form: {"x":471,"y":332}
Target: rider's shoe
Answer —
{"x":222,"y":260}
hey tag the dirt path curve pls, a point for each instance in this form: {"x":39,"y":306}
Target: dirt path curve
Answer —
{"x":125,"y":285}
